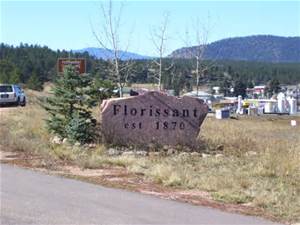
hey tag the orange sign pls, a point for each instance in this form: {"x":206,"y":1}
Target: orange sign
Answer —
{"x":78,"y":63}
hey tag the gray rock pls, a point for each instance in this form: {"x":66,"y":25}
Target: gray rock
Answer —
{"x":56,"y":140}
{"x":171,"y":151}
{"x":92,"y":145}
{"x":65,"y":141}
{"x":113,"y":152}
{"x":251,"y":153}
{"x":128,"y":153}
{"x":219,"y":155}
{"x":195,"y":154}
{"x":77,"y":144}
{"x":153,"y":117}
{"x":124,"y":149}
{"x":183,"y":154}
{"x":204,"y":155}
{"x":166,"y":147}
{"x":141,"y":153}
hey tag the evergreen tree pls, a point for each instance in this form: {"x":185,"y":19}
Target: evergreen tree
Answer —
{"x":273,"y":87}
{"x":6,"y":68}
{"x":103,"y":89}
{"x":225,"y":83}
{"x":15,"y":77}
{"x":250,"y":84}
{"x":240,"y":88}
{"x":70,"y":107}
{"x":34,"y":82}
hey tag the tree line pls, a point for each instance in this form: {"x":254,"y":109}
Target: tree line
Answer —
{"x":33,"y":65}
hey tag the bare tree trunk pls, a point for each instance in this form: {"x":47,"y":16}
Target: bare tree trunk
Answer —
{"x":160,"y":73}
{"x":201,"y":42}
{"x":159,"y":38}
{"x":109,"y":39}
{"x":197,"y":75}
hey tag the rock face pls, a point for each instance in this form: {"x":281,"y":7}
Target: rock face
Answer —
{"x":152,"y":118}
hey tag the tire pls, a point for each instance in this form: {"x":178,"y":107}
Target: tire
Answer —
{"x":23,"y":103}
{"x":17,"y":102}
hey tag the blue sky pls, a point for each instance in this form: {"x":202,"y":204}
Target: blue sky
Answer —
{"x":68,"y":24}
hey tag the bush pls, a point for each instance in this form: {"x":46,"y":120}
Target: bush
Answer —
{"x":70,"y":107}
{"x":80,"y":128}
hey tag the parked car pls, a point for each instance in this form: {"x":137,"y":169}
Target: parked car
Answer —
{"x":12,"y":94}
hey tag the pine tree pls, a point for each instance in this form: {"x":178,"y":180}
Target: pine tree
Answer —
{"x":6,"y":67}
{"x":240,"y":88}
{"x":273,"y":87}
{"x":15,"y":77}
{"x":34,"y":82}
{"x":70,"y":107}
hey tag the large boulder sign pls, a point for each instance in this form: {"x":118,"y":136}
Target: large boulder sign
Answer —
{"x":152,"y":118}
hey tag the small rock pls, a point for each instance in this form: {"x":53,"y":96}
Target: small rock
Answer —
{"x":165,"y":147}
{"x":92,"y":145}
{"x":65,"y":141}
{"x":195,"y":154}
{"x":251,"y":153}
{"x":171,"y":151}
{"x":124,"y":149}
{"x":204,"y":155}
{"x":112,"y":152}
{"x":128,"y":153}
{"x":56,"y":140}
{"x":141,"y":153}
{"x":249,"y":204}
{"x":77,"y":143}
{"x":219,"y":155}
{"x":183,"y":154}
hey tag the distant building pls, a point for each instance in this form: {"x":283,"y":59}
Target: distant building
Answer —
{"x":291,"y":90}
{"x":206,"y":97}
{"x":216,"y":90}
{"x":256,"y":92}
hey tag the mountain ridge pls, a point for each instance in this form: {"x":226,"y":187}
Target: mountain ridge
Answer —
{"x":105,"y":54}
{"x":262,"y":48}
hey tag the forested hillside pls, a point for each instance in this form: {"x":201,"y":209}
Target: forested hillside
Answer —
{"x":260,"y":48}
{"x":33,"y":65}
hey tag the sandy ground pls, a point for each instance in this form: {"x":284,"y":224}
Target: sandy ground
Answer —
{"x":7,"y":109}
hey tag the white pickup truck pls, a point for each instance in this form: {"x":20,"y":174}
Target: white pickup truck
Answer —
{"x":12,"y":94}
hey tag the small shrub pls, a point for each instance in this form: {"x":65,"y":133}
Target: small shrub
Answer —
{"x":80,"y":128}
{"x":70,"y":107}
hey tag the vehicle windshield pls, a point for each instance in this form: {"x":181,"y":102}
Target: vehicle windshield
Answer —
{"x":6,"y":88}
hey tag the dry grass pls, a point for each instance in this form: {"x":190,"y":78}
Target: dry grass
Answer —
{"x":259,"y":165}
{"x":250,"y":133}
